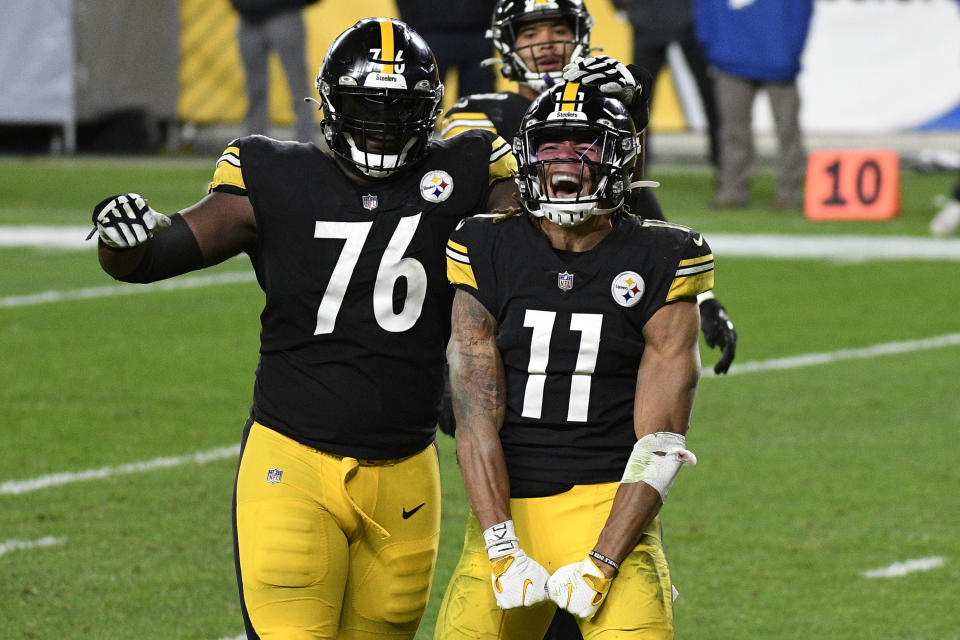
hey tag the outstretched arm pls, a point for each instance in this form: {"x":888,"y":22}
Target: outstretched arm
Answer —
{"x":219,"y":226}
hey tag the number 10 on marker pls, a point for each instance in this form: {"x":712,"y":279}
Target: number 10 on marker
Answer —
{"x":852,"y":185}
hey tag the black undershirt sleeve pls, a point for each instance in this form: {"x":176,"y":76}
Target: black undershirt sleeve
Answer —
{"x":168,"y":253}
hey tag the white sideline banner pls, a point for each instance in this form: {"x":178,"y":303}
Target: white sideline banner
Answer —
{"x":880,"y":65}
{"x":37,"y":62}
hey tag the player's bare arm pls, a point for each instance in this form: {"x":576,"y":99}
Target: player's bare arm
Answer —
{"x":219,"y":226}
{"x":503,"y":195}
{"x":478,"y":389}
{"x":666,"y":385}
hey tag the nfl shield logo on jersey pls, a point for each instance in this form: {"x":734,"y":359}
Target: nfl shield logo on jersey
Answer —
{"x":436,"y":185}
{"x":627,"y":288}
{"x":274,"y":475}
{"x":565,"y":281}
{"x":370,"y":202}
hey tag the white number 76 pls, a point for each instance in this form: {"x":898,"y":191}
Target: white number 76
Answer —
{"x":392,"y":267}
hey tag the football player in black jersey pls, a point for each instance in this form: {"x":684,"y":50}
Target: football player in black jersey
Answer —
{"x":337,"y":499}
{"x":574,"y":364}
{"x":536,"y":41}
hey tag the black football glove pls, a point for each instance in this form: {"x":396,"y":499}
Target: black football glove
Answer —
{"x":125,"y":221}
{"x":718,"y":331}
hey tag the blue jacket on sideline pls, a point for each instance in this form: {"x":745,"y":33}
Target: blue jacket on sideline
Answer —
{"x":756,"y":39}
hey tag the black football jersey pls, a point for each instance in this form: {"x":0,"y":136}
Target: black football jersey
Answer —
{"x":501,"y":113}
{"x":357,"y":308}
{"x":570,"y":332}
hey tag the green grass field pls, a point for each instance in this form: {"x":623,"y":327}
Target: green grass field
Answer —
{"x":809,"y":476}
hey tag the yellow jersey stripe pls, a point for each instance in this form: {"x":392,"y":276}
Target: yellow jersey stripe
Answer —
{"x":690,"y":286}
{"x":450,"y":131}
{"x":228,"y":171}
{"x":386,"y":44}
{"x":697,"y":260}
{"x":459,"y":248}
{"x":569,"y":98}
{"x":460,"y":273}
{"x":503,"y":164}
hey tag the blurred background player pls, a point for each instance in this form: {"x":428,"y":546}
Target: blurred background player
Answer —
{"x":752,"y":47}
{"x":947,"y":219}
{"x":574,"y":363}
{"x":274,"y":25}
{"x":337,"y":501}
{"x":457,"y":36}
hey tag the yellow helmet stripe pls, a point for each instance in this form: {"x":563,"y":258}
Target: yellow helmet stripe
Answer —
{"x":569,"y":98}
{"x":386,"y":45}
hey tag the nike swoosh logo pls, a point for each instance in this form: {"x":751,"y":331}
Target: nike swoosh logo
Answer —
{"x":523,"y":596}
{"x":407,"y":514}
{"x":698,"y":240}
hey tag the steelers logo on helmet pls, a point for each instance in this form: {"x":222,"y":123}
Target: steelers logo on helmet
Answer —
{"x":627,"y":288}
{"x":436,"y":185}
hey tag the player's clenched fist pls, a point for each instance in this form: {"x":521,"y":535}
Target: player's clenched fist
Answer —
{"x":580,"y":588}
{"x":126,"y":221}
{"x":518,"y":580}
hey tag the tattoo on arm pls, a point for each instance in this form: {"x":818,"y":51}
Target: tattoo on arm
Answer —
{"x":476,"y":370}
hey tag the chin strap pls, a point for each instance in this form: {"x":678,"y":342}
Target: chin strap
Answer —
{"x":644,"y":183}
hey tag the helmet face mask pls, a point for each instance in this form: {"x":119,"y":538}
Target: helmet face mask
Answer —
{"x":576,"y":151}
{"x":381,"y":95}
{"x":518,"y":54}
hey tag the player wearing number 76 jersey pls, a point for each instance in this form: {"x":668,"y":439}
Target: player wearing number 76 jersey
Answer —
{"x":573,"y":366}
{"x":337,"y":504}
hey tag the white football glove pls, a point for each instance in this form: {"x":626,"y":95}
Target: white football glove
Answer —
{"x":579,"y":588}
{"x":518,"y":580}
{"x":611,"y":76}
{"x":126,"y":221}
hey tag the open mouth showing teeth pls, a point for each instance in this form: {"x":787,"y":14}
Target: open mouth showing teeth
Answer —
{"x":565,"y":185}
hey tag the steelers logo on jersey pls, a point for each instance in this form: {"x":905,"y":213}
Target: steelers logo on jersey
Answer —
{"x":436,"y":185}
{"x":627,"y":288}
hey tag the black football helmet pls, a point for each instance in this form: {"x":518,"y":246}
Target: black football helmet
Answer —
{"x":576,"y":151}
{"x":509,"y":16}
{"x":380,"y":93}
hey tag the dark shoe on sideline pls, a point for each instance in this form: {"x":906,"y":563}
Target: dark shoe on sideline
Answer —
{"x":722,"y":203}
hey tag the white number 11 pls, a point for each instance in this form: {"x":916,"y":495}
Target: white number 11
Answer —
{"x":588,"y":324}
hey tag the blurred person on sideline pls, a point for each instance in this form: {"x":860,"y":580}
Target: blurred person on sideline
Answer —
{"x":574,"y":364}
{"x":753,"y":46}
{"x":947,"y":220}
{"x":657,"y":24}
{"x":336,"y":510}
{"x":274,"y":25}
{"x":457,"y":36}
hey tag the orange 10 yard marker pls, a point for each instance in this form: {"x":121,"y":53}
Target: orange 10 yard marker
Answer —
{"x":852,"y":185}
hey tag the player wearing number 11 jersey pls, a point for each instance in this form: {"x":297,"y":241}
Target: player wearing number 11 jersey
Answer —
{"x":337,"y":503}
{"x":573,"y":366}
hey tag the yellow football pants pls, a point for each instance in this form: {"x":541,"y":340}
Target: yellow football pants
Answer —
{"x":333,"y":547}
{"x":556,"y":531}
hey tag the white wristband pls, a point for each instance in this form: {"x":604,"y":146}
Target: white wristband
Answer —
{"x":501,"y":540}
{"x":706,"y":295}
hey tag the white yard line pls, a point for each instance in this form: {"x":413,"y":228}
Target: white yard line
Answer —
{"x":16,"y":545}
{"x":16,"y":487}
{"x":186,"y":282}
{"x":812,"y":359}
{"x":846,"y":247}
{"x":899,"y":569}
